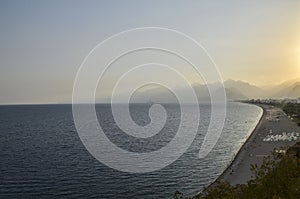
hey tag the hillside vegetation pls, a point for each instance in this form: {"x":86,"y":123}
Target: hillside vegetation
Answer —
{"x":277,"y":178}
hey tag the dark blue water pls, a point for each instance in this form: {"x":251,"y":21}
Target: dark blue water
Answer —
{"x":41,"y":155}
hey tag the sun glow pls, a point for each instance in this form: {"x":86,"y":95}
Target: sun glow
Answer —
{"x":297,"y":65}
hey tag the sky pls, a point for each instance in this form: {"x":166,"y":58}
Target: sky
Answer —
{"x":43,"y":43}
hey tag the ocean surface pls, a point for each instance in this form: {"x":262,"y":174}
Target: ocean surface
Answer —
{"x":42,"y":156}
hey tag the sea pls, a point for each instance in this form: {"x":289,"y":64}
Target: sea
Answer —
{"x":42,"y":156}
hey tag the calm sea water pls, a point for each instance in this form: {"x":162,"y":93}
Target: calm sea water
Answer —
{"x":41,"y":155}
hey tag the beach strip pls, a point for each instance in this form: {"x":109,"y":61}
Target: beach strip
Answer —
{"x":274,"y":123}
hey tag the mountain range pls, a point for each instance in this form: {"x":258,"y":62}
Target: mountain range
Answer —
{"x":235,"y":90}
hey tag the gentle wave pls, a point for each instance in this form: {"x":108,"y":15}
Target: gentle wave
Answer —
{"x":42,"y":155}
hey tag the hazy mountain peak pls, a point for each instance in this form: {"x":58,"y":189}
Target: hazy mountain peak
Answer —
{"x":235,"y":90}
{"x":290,"y":82}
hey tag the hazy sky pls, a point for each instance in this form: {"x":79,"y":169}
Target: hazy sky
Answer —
{"x":44,"y":42}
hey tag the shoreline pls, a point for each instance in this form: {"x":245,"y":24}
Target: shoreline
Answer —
{"x":228,"y":168}
{"x":255,"y":148}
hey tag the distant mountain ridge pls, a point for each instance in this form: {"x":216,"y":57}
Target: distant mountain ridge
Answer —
{"x":288,"y":89}
{"x":235,"y":90}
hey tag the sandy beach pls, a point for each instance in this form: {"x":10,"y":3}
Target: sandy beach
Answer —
{"x":274,"y":130}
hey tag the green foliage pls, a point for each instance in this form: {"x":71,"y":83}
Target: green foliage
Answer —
{"x":277,"y":177}
{"x":292,"y":110}
{"x":223,"y":189}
